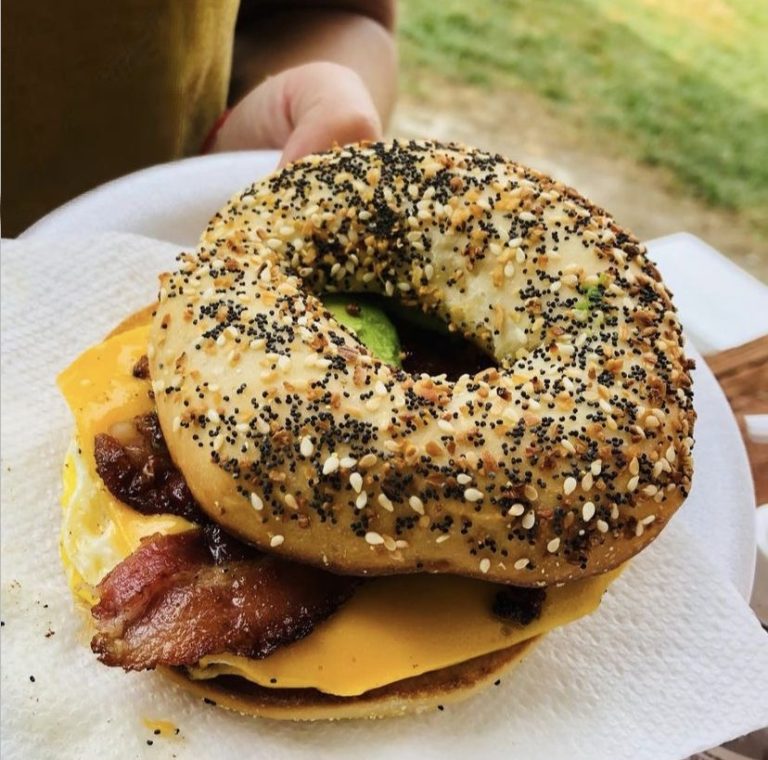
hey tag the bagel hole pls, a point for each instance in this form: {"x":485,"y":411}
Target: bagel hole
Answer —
{"x":437,"y":353}
{"x":426,"y":345}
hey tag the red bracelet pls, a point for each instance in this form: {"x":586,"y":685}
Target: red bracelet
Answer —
{"x":211,"y":136}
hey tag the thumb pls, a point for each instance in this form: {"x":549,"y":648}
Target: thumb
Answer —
{"x":327,"y":104}
{"x":302,"y":110}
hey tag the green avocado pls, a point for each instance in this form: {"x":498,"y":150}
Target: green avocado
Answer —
{"x":369,"y":323}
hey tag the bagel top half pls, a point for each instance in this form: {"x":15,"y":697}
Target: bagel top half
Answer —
{"x":563,"y":459}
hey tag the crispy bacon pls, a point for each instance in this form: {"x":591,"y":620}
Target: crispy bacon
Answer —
{"x":139,"y":471}
{"x":169,"y":604}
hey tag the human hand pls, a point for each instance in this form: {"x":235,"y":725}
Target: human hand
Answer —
{"x":302,"y":110}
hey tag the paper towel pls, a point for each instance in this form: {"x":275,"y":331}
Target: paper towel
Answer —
{"x":672,"y":662}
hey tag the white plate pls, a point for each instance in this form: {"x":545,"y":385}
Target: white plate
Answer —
{"x":174,"y":202}
{"x":170,"y":202}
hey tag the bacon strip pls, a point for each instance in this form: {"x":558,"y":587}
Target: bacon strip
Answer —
{"x":141,"y":474}
{"x":139,"y":471}
{"x":169,"y":604}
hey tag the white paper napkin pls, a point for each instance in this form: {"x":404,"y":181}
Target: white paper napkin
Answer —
{"x":672,"y":662}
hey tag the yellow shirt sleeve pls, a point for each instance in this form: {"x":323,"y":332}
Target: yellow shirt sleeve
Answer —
{"x":92,"y":91}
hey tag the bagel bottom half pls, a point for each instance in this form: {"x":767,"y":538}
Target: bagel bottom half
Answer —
{"x":411,"y":695}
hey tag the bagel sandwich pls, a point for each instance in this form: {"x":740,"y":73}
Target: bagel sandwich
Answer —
{"x":407,"y":408}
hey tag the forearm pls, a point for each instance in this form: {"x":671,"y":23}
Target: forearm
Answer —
{"x":358,"y":38}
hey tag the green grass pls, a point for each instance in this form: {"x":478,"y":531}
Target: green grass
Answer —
{"x":680,"y":84}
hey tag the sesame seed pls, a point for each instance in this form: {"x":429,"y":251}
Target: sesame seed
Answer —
{"x":634,"y":466}
{"x":331,"y":464}
{"x":290,"y":501}
{"x":648,"y":520}
{"x":256,"y":502}
{"x":521,"y":564}
{"x":385,"y":502}
{"x":485,"y":565}
{"x":510,"y":414}
{"x":516,"y":510}
{"x":472,"y":494}
{"x":306,"y":447}
{"x":632,"y":483}
{"x":529,"y":520}
{"x":276,"y":541}
{"x":445,"y":426}
{"x":361,"y":500}
{"x":368,"y":461}
{"x":569,"y":486}
{"x":596,"y":467}
{"x":587,"y":482}
{"x":602,"y":526}
{"x":356,"y":481}
{"x":347,"y":462}
{"x":553,"y":545}
{"x":373,"y":538}
{"x":530,"y":492}
{"x":588,"y":511}
{"x":442,"y":539}
{"x":463,"y":479}
{"x":416,"y":504}
{"x":213,"y":416}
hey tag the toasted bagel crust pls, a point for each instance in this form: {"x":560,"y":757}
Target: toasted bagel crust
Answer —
{"x":563,"y":462}
{"x":412,"y":695}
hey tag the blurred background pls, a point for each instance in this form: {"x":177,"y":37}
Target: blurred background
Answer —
{"x":656,"y":110}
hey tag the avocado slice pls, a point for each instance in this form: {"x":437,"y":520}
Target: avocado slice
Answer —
{"x":369,"y":323}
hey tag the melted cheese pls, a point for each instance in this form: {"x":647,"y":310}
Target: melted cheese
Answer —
{"x":98,"y":530}
{"x":393,"y":628}
{"x":402,"y":626}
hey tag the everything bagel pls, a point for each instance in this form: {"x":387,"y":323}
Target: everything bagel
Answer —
{"x":562,"y":459}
